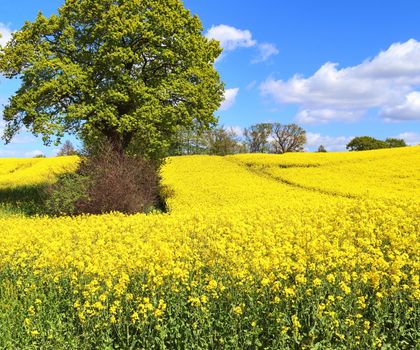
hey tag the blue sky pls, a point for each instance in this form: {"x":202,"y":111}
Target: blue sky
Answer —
{"x":338,"y":68}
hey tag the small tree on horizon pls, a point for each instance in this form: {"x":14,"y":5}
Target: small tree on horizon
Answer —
{"x":288,"y":138}
{"x":67,"y":149}
{"x":256,"y":137}
{"x":321,"y":149}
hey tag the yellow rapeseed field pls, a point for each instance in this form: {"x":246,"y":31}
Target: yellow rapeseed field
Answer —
{"x":295,"y":251}
{"x":26,"y":172}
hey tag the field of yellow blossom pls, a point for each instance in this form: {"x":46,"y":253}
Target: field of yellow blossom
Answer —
{"x":294,"y":251}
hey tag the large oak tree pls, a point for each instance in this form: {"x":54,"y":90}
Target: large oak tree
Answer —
{"x":113,"y":68}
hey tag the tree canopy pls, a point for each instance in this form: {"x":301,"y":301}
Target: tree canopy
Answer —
{"x":112,"y":69}
{"x":256,"y":137}
{"x":67,"y":149}
{"x":394,"y":142}
{"x":365,"y":143}
{"x":321,"y":149}
{"x":288,"y":138}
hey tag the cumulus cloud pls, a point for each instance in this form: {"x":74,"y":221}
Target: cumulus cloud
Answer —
{"x":408,"y":110}
{"x":265,"y":51}
{"x":5,"y":34}
{"x":411,"y":138}
{"x":230,"y":98}
{"x":386,"y":81}
{"x":230,"y":37}
{"x":331,"y":143}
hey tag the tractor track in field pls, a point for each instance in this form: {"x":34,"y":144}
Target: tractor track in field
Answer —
{"x":259,"y":171}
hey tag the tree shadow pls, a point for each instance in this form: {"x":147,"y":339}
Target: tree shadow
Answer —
{"x":26,"y":200}
{"x":32,"y":200}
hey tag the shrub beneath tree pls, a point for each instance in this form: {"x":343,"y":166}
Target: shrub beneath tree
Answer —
{"x":106,"y":181}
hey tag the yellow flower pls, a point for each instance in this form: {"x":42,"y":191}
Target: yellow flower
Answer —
{"x":237,"y":310}
{"x":265,"y":281}
{"x":316,"y":282}
{"x":134,"y":317}
{"x":295,"y":322}
{"x":31,"y":310}
{"x":345,"y":288}
{"x":331,"y":278}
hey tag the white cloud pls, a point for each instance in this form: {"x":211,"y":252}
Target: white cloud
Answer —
{"x":33,"y":153}
{"x":411,"y":138}
{"x":5,"y":34}
{"x":230,"y":37}
{"x":315,"y":116}
{"x":230,"y":98}
{"x":383,"y":82}
{"x":265,"y":51}
{"x":331,"y":143}
{"x":408,"y":110}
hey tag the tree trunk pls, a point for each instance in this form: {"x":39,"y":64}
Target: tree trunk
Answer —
{"x":118,"y":142}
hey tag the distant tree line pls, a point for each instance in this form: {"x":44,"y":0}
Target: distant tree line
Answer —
{"x":258,"y":138}
{"x":274,"y":138}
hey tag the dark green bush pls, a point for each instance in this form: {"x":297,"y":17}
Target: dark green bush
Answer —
{"x":66,"y":194}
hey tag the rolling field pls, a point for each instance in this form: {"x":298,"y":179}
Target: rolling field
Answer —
{"x":294,"y":251}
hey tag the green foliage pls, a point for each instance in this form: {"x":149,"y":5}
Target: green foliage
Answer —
{"x":64,"y":194}
{"x":365,"y":143}
{"x":322,"y":149}
{"x":393,"y":143}
{"x":26,"y":200}
{"x":222,"y":141}
{"x":215,"y":141}
{"x":120,"y":69}
{"x":188,"y":140}
{"x":48,"y":316}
